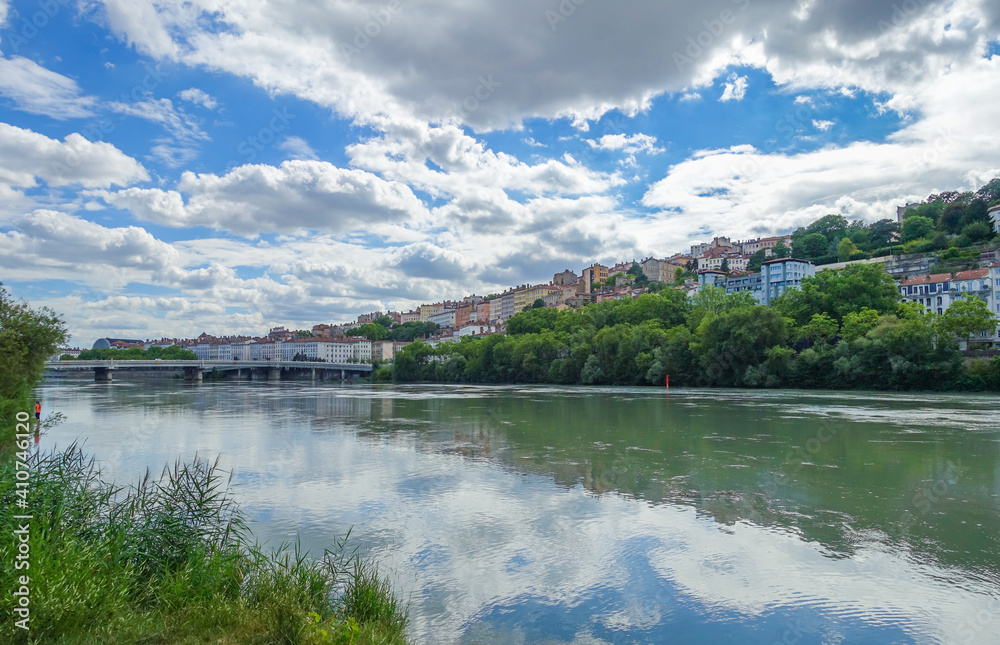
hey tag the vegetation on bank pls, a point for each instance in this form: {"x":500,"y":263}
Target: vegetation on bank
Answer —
{"x":168,"y":560}
{"x":954,"y":226}
{"x":844,"y":329}
{"x":134,"y":354}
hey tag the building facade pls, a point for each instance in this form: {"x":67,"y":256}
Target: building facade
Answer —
{"x":779,"y":275}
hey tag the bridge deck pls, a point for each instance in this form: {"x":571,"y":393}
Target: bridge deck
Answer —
{"x":206,"y":366}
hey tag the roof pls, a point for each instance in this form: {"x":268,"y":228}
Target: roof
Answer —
{"x":976,"y":274}
{"x":776,"y":260}
{"x":926,"y":279}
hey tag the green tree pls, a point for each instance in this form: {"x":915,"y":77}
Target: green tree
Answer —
{"x":950,"y":220}
{"x":370,"y":331}
{"x":820,"y":329}
{"x":811,"y":247}
{"x":917,"y":227}
{"x":779,"y":250}
{"x":967,"y":317}
{"x":846,"y":250}
{"x":977,"y":232}
{"x":839,"y":292}
{"x":538,"y":304}
{"x":757,"y":259}
{"x":725,"y":265}
{"x":28,"y":337}
{"x":883,"y":233}
{"x":385,"y":321}
{"x":858,"y":323}
{"x":728,"y":344}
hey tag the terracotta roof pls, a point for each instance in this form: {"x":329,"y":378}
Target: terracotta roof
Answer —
{"x":976,"y":274}
{"x":926,"y":279}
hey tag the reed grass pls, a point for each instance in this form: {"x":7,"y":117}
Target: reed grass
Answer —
{"x":171,"y":560}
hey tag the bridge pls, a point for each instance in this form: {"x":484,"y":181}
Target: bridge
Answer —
{"x":238,"y":370}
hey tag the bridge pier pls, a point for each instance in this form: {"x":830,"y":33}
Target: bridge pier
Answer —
{"x":274,"y":374}
{"x":193,"y":374}
{"x":102,"y":375}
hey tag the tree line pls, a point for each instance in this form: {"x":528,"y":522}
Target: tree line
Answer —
{"x":843,"y":329}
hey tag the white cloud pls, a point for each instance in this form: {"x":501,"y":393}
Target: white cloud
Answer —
{"x":32,"y":88}
{"x":198,"y":97}
{"x":735,"y":88}
{"x":26,"y":156}
{"x":630,"y":144}
{"x":298,"y":148}
{"x":534,"y":144}
{"x":823,"y":126}
{"x":253,"y":199}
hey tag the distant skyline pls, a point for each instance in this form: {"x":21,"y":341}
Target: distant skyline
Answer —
{"x":176,"y":167}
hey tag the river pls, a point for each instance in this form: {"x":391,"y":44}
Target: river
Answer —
{"x":509,"y":515}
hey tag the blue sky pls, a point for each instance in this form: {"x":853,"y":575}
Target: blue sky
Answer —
{"x":170,"y":168}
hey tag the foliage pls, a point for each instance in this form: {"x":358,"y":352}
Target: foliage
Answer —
{"x":757,"y":259}
{"x":916,"y":227}
{"x":839,"y":292}
{"x":172,"y":353}
{"x":28,"y":337}
{"x":846,"y":250}
{"x":966,"y":317}
{"x":410,"y":331}
{"x":369,"y":331}
{"x":170,"y":559}
{"x":780,"y":250}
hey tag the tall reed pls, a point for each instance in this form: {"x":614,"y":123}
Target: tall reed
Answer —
{"x":170,"y":560}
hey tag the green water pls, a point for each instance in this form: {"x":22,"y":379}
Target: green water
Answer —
{"x":606,"y":515}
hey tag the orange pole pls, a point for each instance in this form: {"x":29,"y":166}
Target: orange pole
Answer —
{"x":668,"y":381}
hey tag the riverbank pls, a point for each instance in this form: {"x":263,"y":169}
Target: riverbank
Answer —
{"x":170,"y":560}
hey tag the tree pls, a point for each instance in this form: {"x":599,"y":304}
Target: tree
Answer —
{"x":779,"y":250}
{"x":977,"y":232}
{"x":28,"y":337}
{"x":951,"y":218}
{"x":728,"y":344}
{"x":858,"y":323}
{"x":967,"y":316}
{"x":811,"y":247}
{"x":370,"y":331}
{"x":839,"y":292}
{"x":820,"y":329}
{"x":757,"y":259}
{"x":915,"y":228}
{"x":538,"y":304}
{"x":385,"y":321}
{"x":846,"y":250}
{"x":725,"y":265}
{"x":883,"y":233}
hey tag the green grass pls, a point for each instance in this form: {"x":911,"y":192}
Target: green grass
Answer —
{"x":170,"y":560}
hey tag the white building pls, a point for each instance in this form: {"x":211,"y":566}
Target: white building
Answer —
{"x":994,"y":214}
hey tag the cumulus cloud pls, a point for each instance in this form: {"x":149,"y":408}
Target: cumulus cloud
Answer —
{"x":32,"y":88}
{"x":254,"y":199}
{"x":26,"y":156}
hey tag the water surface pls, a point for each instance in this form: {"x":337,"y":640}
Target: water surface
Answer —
{"x":605,"y":515}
